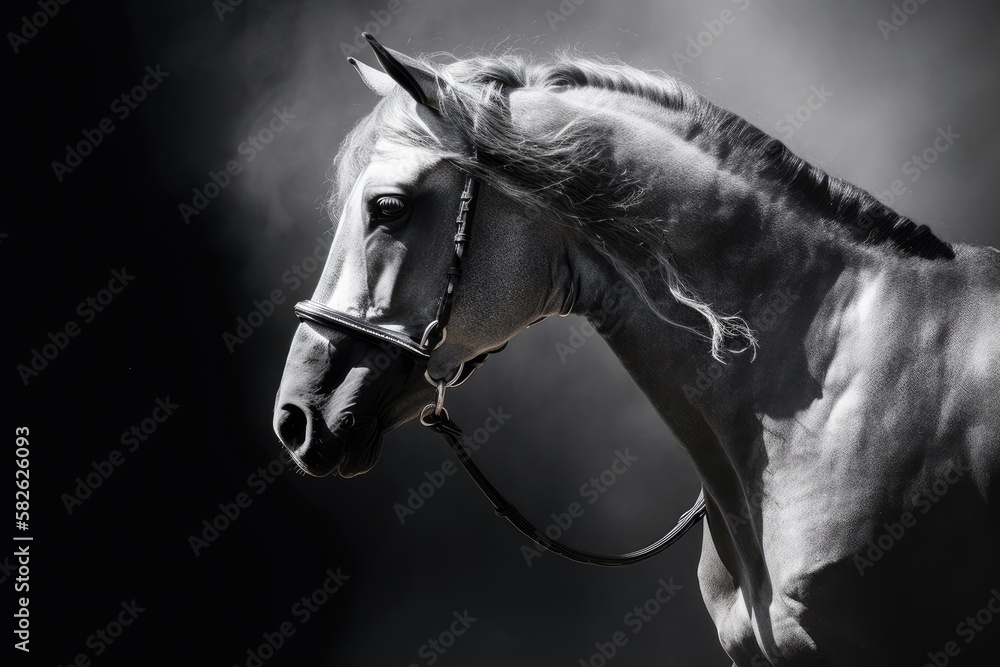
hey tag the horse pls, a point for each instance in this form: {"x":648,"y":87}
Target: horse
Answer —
{"x":829,"y":366}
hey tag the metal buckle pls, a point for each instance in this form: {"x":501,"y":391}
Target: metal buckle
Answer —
{"x":427,"y":335}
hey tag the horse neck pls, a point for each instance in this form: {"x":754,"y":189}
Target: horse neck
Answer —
{"x":746,"y":247}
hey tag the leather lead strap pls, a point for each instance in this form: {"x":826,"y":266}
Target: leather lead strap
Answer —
{"x":440,"y":421}
{"x":451,"y":432}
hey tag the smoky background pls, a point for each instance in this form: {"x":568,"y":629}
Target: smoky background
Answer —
{"x":233,"y":68}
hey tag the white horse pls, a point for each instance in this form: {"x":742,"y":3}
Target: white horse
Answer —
{"x":829,"y":366}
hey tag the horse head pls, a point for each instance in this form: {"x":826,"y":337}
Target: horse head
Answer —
{"x":391,"y":267}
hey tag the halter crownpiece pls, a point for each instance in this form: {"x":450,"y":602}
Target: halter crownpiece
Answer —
{"x":420,"y":83}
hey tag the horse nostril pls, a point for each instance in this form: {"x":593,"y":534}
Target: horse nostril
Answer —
{"x":292,"y":425}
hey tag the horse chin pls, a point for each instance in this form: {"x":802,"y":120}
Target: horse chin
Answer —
{"x":349,"y":454}
{"x":359,"y":460}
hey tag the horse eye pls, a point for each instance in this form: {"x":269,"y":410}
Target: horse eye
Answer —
{"x":389,"y":206}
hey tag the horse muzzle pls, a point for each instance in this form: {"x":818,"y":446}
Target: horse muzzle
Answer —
{"x":337,"y":398}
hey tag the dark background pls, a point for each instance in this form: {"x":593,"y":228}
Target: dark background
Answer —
{"x":163,"y":335}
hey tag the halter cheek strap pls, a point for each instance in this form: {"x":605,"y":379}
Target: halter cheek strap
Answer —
{"x":436,"y":330}
{"x":435,"y":416}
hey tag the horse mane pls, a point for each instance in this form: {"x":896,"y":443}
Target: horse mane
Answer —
{"x":741,"y":143}
{"x":563,"y":175}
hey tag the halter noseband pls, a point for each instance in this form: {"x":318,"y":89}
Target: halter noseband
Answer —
{"x":435,"y":332}
{"x":435,"y":417}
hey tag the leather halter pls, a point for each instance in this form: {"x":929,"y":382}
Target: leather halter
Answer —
{"x":435,"y":417}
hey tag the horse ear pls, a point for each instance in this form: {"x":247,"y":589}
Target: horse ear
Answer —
{"x":416,"y":79}
{"x":380,"y":83}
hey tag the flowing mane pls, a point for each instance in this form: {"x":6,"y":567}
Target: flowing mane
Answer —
{"x":565,"y":175}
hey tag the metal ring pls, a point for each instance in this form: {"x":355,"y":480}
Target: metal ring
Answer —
{"x":427,"y":334}
{"x":424,"y":414}
{"x":450,"y":383}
